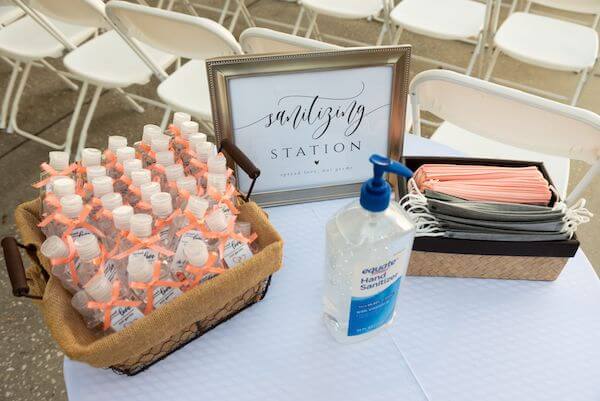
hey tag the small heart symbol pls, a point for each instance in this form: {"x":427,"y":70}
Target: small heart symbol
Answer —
{"x":316,"y":161}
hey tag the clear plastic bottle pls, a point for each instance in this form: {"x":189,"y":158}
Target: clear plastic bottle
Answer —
{"x":197,"y":207}
{"x":55,"y":249}
{"x":141,"y":272}
{"x":138,"y":178}
{"x":59,"y":161}
{"x":62,"y":186}
{"x":100,"y":290}
{"x":164,"y":222}
{"x":368,"y":249}
{"x":144,"y":147}
{"x":198,"y":256}
{"x":125,"y":153}
{"x":147,"y":190}
{"x":88,"y":249}
{"x":186,"y":186}
{"x":172,"y":174}
{"x":234,"y":250}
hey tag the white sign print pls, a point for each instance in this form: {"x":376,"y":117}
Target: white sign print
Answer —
{"x":311,"y":128}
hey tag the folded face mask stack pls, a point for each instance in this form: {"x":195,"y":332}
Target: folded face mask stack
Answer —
{"x":489,"y":203}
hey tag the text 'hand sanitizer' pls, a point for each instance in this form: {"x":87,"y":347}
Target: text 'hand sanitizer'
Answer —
{"x":368,"y":250}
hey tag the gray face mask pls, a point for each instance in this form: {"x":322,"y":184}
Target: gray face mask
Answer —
{"x":441,"y":215}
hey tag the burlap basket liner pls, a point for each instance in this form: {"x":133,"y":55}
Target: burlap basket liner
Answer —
{"x":440,"y":264}
{"x":166,"y":328}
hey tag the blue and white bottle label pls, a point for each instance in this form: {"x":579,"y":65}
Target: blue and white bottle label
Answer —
{"x":374,"y":293}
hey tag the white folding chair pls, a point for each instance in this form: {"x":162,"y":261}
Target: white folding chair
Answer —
{"x":183,"y":35}
{"x":107,"y":61}
{"x":9,"y":13}
{"x":263,"y":40}
{"x":484,"y":119}
{"x":240,"y":10}
{"x":28,"y":42}
{"x":549,"y":42}
{"x":443,"y":19}
{"x":344,"y":9}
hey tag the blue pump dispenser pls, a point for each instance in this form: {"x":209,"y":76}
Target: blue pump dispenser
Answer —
{"x":375,"y":192}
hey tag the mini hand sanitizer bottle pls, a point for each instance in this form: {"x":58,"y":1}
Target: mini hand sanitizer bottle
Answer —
{"x":368,"y":250}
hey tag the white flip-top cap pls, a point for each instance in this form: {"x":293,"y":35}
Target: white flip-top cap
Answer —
{"x":204,"y":150}
{"x":80,"y":301}
{"x":91,"y":157}
{"x":196,"y":252}
{"x":174,"y":172}
{"x":179,"y":118}
{"x":162,"y":204}
{"x":217,"y":164}
{"x":116,"y":142}
{"x":141,"y":177}
{"x":138,"y":268}
{"x":131,"y":165}
{"x":141,"y":225}
{"x":99,"y":288}
{"x":71,"y":205}
{"x":54,"y":248}
{"x":122,"y":216}
{"x":198,"y":206}
{"x":112,"y":200}
{"x":188,"y":128}
{"x":161,"y":143}
{"x":95,"y":172}
{"x":195,"y":139}
{"x":102,"y":186}
{"x":87,"y":247}
{"x":58,"y":160}
{"x":217,"y":181}
{"x":165,"y":158}
{"x":217,"y":221}
{"x":125,"y":153}
{"x":63,"y":186}
{"x":188,"y":183}
{"x":148,"y":190}
{"x":150,"y":132}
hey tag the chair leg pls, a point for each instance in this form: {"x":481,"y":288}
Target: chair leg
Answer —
{"x":136,"y":106}
{"x":190,"y":8}
{"x":582,"y":80}
{"x":311,"y":25}
{"x":235,"y":17}
{"x":13,"y":125}
{"x":224,"y":12}
{"x":475,"y":55}
{"x":397,"y":36}
{"x":87,"y":121}
{"x":165,"y":119}
{"x":9,"y":89}
{"x":170,"y":5}
{"x":72,"y":85}
{"x":246,"y":13}
{"x":298,"y":21}
{"x":75,"y":117}
{"x":490,"y":69}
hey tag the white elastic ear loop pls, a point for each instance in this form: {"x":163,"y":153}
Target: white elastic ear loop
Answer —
{"x":415,"y":204}
{"x":576,"y":215}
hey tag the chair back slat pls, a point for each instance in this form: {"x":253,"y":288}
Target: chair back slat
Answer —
{"x":263,"y":40}
{"x":176,"y":33}
{"x":577,"y":6}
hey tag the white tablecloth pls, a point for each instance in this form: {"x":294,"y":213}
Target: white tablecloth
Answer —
{"x":453,"y":339}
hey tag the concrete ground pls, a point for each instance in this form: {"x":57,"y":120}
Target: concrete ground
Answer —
{"x":30,"y":363}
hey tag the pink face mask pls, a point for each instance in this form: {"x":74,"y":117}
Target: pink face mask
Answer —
{"x":485,"y":183}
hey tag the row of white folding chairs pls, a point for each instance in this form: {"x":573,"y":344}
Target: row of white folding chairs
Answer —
{"x":534,"y":39}
{"x":139,"y":41}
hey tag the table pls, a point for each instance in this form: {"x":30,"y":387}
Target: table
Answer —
{"x":453,"y":339}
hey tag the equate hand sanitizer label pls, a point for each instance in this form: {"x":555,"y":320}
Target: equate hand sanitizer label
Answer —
{"x":374,"y":293}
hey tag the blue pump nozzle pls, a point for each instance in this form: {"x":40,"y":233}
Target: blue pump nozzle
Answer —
{"x":375,"y":192}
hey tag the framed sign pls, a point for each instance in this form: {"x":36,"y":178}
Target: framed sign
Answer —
{"x":310,"y":121}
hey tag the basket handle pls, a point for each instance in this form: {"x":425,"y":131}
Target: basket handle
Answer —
{"x":15,"y":268}
{"x":240,"y":158}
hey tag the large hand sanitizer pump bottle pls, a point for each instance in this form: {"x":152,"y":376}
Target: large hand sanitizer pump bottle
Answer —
{"x":368,"y":250}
